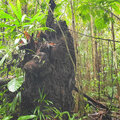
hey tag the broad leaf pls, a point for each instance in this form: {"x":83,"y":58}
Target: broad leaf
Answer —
{"x":15,"y":83}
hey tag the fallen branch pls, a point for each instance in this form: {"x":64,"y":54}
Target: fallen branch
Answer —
{"x":96,"y":103}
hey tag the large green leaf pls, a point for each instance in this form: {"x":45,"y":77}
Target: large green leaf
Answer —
{"x":27,"y":117}
{"x":15,"y":83}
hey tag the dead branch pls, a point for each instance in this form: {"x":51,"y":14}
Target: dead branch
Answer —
{"x":95,"y":102}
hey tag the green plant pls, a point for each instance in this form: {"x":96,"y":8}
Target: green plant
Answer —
{"x":16,"y":101}
{"x":4,"y":106}
{"x":45,"y":111}
{"x":7,"y":117}
{"x":15,"y":83}
{"x":27,"y":117}
{"x":44,"y":107}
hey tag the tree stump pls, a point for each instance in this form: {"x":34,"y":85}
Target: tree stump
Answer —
{"x":50,"y":68}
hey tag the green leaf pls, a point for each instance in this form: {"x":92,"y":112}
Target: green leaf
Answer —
{"x":3,"y":59}
{"x":45,"y":28}
{"x":4,"y":70}
{"x":15,"y":84}
{"x":19,"y":94}
{"x":84,"y":12}
{"x":37,"y":17}
{"x":5,"y":25}
{"x":15,"y":11}
{"x":16,"y":22}
{"x":27,"y":117}
{"x":100,"y":23}
{"x":116,"y":8}
{"x":7,"y":118}
{"x":19,"y":9}
{"x":14,"y":103}
{"x":30,"y":26}
{"x":5,"y":15}
{"x":23,"y":17}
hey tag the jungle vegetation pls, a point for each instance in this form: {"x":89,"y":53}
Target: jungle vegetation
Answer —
{"x":94,"y":26}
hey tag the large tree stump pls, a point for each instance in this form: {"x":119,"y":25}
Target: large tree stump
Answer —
{"x":50,"y":68}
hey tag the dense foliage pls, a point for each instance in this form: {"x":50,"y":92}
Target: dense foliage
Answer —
{"x":94,"y":25}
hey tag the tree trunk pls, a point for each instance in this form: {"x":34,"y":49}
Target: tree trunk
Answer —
{"x":93,"y":47}
{"x":115,"y":62}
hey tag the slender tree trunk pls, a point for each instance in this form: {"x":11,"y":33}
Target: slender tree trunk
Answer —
{"x":73,"y":24}
{"x":112,"y":73}
{"x":97,"y":69}
{"x":79,"y":100}
{"x":88,"y":65}
{"x":108,"y":54}
{"x":103,"y":62}
{"x":93,"y":47}
{"x":115,"y":60}
{"x":113,"y":37}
